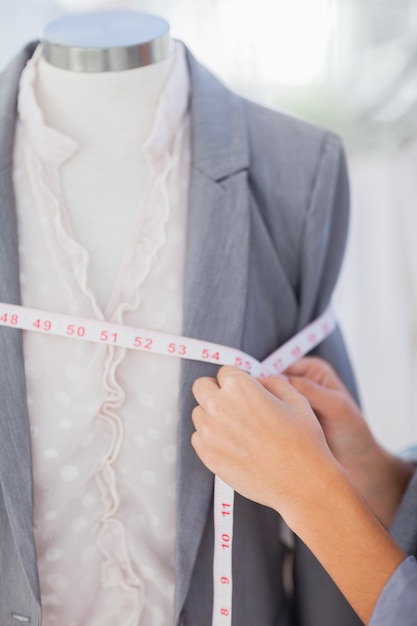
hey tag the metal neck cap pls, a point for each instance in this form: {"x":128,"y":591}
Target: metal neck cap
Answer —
{"x":107,"y":41}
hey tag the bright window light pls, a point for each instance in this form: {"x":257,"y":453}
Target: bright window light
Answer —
{"x":93,"y":5}
{"x":287,"y":39}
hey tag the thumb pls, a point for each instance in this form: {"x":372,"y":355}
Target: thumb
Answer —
{"x":325,"y":402}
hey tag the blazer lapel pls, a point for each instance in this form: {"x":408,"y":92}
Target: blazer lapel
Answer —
{"x":15,"y":452}
{"x":215,"y":282}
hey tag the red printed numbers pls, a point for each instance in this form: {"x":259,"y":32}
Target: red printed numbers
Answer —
{"x":106,"y":336}
{"x":72,"y":329}
{"x":206,"y":354}
{"x":42,"y":324}
{"x":9,"y":319}
{"x":279,"y":365}
{"x":141,"y":342}
{"x":225,"y":509}
{"x":174,"y":348}
{"x":239,"y":362}
{"x":296,"y":352}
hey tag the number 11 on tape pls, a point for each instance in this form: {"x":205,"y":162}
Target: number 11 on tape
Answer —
{"x":222,"y":563}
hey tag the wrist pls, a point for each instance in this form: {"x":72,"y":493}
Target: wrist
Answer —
{"x":311,"y":498}
{"x":382,"y":481}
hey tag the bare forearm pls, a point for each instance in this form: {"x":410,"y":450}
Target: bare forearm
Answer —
{"x":337,"y":526}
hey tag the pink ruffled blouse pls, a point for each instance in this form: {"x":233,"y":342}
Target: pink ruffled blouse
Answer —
{"x":103,"y":419}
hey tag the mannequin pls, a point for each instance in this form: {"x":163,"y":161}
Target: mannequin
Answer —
{"x":250,"y":212}
{"x":99,"y":80}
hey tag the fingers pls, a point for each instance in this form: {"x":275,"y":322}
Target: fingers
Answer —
{"x":316,"y":370}
{"x":200,"y":448}
{"x":238,"y":385}
{"x":203,"y":420}
{"x":242,"y":385}
{"x":198,"y":416}
{"x":311,"y":379}
{"x":230,"y":372}
{"x":321,"y":399}
{"x":203,"y":388}
{"x":310,"y":376}
{"x":281,"y":388}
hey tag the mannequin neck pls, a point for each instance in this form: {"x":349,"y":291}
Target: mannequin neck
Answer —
{"x":102,"y":72}
{"x":99,"y":109}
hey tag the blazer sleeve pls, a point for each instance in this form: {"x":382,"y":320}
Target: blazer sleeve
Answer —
{"x":397,"y":603}
{"x":322,"y":248}
{"x":404,"y":526}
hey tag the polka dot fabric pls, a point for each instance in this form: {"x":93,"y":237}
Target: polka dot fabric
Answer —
{"x":103,"y":419}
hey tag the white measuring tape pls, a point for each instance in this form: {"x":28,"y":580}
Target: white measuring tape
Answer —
{"x":62,"y":325}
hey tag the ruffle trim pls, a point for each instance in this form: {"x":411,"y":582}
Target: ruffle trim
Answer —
{"x":117,"y":568}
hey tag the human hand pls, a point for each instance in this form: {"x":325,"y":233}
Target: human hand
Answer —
{"x":264,"y":440}
{"x":379,"y":476}
{"x":268,"y":446}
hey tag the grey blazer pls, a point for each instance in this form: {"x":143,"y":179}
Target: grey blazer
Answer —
{"x":268,"y":212}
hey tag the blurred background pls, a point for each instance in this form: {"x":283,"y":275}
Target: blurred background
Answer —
{"x":348,"y":65}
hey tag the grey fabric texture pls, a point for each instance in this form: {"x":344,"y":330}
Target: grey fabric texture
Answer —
{"x":404,"y":526}
{"x":397,"y":603}
{"x":268,"y":212}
